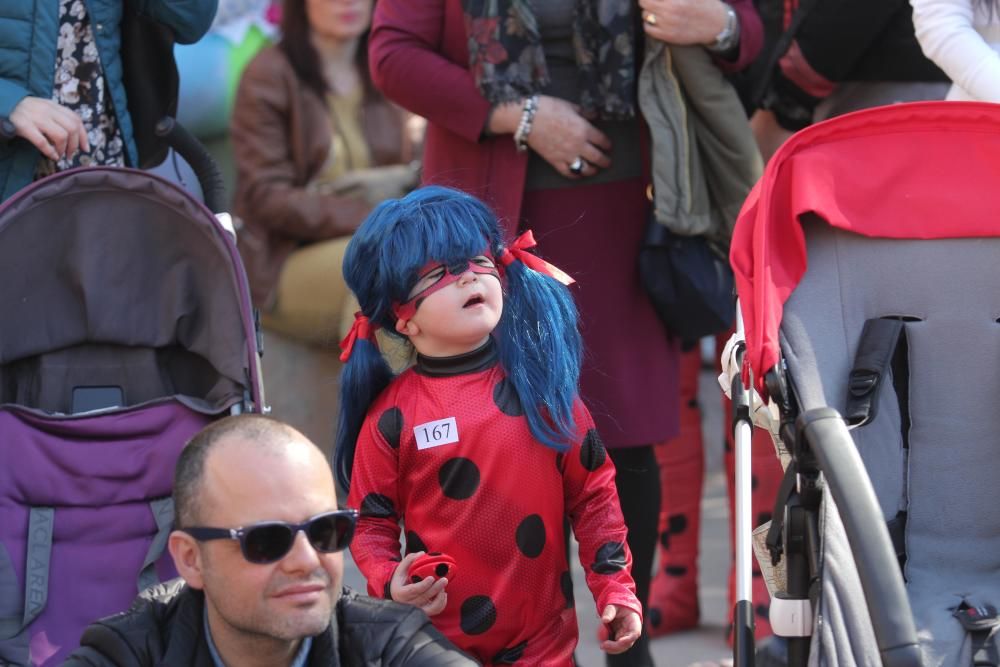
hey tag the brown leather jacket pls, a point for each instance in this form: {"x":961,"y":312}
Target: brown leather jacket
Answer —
{"x":281,"y":133}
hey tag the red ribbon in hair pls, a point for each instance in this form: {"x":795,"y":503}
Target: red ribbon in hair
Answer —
{"x":518,"y":251}
{"x":362,"y":328}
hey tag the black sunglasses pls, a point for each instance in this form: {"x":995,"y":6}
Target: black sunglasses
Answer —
{"x":269,"y":541}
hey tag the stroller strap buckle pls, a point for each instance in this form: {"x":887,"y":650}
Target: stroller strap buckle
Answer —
{"x":981,"y":618}
{"x":872,"y":360}
{"x":981,"y":622}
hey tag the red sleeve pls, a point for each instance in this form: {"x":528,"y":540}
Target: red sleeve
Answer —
{"x":751,"y":36}
{"x":405,"y":52}
{"x":594,"y":510}
{"x":375,"y":546}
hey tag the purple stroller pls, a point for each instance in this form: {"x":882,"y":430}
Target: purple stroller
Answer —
{"x":125,"y":327}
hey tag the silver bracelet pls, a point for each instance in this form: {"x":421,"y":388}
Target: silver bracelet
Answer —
{"x":730,"y":35}
{"x":524,"y":127}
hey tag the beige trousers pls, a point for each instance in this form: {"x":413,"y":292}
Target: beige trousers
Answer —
{"x":315,"y":306}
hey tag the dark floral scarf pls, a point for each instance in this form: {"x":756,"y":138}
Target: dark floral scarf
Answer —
{"x":508,"y":63}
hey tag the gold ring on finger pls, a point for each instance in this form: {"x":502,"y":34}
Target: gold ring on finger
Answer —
{"x":650,"y":18}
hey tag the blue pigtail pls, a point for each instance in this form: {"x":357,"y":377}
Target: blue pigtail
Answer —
{"x":540,"y":351}
{"x":364,"y":376}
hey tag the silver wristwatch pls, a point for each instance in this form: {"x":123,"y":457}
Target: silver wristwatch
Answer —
{"x":729,"y":37}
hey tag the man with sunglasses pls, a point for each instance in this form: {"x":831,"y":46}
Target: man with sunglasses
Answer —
{"x":258,"y":544}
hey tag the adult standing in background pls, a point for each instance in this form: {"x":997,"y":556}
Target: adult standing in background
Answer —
{"x":316,"y":147}
{"x":532,"y":107}
{"x":962,"y":37}
{"x":61,"y":81}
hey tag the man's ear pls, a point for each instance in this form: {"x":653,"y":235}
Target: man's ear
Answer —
{"x":187,"y":558}
{"x":407,"y":327}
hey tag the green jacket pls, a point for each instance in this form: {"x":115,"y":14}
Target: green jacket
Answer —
{"x":28,"y":35}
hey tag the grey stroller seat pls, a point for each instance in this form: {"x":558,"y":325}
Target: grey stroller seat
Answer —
{"x":929,"y":443}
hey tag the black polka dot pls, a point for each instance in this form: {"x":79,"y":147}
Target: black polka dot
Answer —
{"x":390,"y":425}
{"x":441,"y":570}
{"x":506,"y":398}
{"x":610,"y":558}
{"x":416,"y":579}
{"x":753,"y":482}
{"x":665,"y":539}
{"x":675,"y":570}
{"x":478,"y":614}
{"x":378,"y":506}
{"x":566,"y":584}
{"x":459,"y":478}
{"x":592,"y":452}
{"x":677,"y":523}
{"x":531,"y":536}
{"x":756,"y":574}
{"x":693,"y":403}
{"x":654,"y":617}
{"x":414,"y":543}
{"x":508,"y":656}
{"x":763,"y":518}
{"x":762,"y":610}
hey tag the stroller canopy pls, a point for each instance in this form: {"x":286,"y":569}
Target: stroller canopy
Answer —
{"x":109,"y":264}
{"x":939,"y":159}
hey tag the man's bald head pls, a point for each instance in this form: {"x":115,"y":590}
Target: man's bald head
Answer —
{"x":250,"y":430}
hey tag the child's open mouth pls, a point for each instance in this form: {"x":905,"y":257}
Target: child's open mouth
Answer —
{"x":474,"y":301}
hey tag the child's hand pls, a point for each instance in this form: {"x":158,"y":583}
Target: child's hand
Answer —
{"x":428,"y":594}
{"x":625,"y":627}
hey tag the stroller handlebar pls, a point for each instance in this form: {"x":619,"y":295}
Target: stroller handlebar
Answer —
{"x":888,"y":605}
{"x":204,"y":166}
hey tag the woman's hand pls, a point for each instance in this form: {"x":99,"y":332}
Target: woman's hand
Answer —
{"x":53,"y":129}
{"x":624,"y":627}
{"x":560,"y":135}
{"x":429,"y":594}
{"x":683,"y":21}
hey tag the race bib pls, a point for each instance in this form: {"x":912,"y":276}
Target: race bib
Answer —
{"x":436,"y":433}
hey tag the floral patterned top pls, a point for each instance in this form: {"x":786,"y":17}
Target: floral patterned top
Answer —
{"x":80,"y":86}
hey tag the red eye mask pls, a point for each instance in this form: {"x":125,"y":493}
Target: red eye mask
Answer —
{"x":407,"y":309}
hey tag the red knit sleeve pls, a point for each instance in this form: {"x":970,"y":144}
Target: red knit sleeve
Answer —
{"x":375,"y":546}
{"x":751,"y":36}
{"x":596,"y":516}
{"x":407,"y":64}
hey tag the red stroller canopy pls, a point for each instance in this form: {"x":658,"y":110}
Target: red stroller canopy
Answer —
{"x":921,"y":170}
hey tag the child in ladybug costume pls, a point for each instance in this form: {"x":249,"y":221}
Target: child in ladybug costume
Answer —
{"x":482,"y":448}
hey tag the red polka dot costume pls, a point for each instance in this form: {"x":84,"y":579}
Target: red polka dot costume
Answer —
{"x":446,"y":450}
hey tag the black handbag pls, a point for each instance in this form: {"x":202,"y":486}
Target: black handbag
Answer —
{"x":151,"y":80}
{"x":689,"y":283}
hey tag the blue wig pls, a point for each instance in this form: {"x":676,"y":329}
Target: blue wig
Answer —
{"x":537,"y":337}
